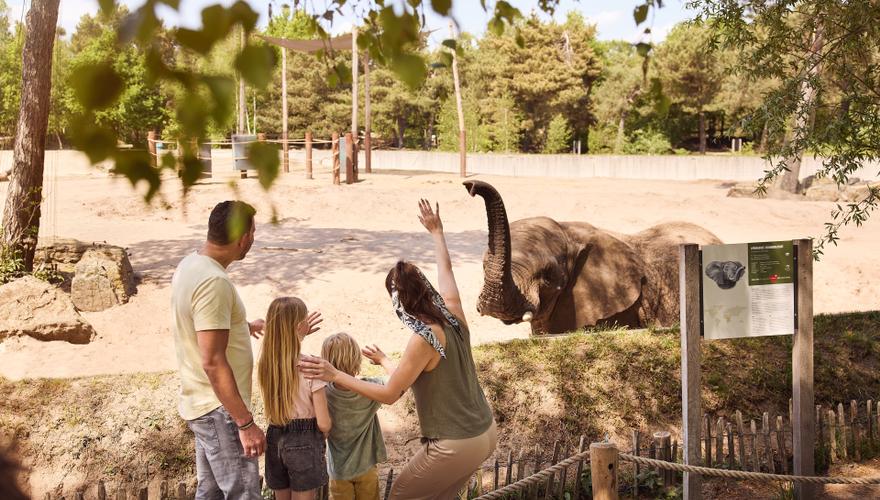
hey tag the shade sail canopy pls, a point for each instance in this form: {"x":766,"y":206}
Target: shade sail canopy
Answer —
{"x":337,"y":43}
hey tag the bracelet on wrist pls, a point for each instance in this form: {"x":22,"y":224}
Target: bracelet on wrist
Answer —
{"x":247,"y":425}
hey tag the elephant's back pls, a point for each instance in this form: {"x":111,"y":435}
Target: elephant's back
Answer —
{"x":676,"y":233}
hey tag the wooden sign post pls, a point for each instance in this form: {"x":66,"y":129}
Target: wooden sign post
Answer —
{"x":691,"y":285}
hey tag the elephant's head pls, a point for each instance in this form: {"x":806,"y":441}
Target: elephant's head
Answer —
{"x":558,"y":276}
{"x":726,"y":274}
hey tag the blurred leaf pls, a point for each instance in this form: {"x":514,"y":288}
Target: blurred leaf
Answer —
{"x":98,"y":142}
{"x":192,"y":113}
{"x":136,"y":167}
{"x":174,"y":4}
{"x":445,"y":59}
{"x":107,"y":6}
{"x":241,"y":12}
{"x":640,"y":13}
{"x":643,"y":48}
{"x":216,"y":22}
{"x":223,"y":90}
{"x":411,"y":69}
{"x":96,"y":85}
{"x":450,"y":43}
{"x":190,"y":170}
{"x":441,"y":6}
{"x":496,"y":26}
{"x":195,"y":40}
{"x":264,"y":157}
{"x":255,"y":63}
{"x":507,"y":11}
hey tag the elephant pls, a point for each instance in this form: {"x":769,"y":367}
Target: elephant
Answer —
{"x":725,"y":274}
{"x":563,"y":276}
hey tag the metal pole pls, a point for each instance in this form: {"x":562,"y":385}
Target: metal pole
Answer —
{"x":241,"y":96}
{"x":354,"y":95}
{"x":309,"y":154}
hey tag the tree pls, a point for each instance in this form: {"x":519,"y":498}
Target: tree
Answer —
{"x":558,"y":135}
{"x":689,"y":70}
{"x":619,"y":89}
{"x":10,"y":77}
{"x":21,"y":215}
{"x":825,"y":56}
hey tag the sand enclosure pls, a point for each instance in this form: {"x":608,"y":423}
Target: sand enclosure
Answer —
{"x":333,"y":245}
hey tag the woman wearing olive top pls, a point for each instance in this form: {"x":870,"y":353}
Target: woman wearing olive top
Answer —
{"x":458,"y":430}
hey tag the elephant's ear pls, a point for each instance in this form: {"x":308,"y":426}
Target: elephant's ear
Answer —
{"x":608,"y":278}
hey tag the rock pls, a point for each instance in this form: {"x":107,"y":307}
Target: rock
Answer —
{"x":858,"y":192}
{"x":823,"y":191}
{"x":103,"y":278}
{"x":32,"y":307}
{"x":63,"y":253}
{"x":747,"y":190}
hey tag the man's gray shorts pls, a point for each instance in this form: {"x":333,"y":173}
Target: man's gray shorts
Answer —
{"x":222,"y":469}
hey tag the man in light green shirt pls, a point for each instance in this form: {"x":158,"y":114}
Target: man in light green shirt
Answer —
{"x":214,"y":358}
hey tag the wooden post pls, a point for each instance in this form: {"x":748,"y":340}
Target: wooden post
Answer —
{"x":603,"y":460}
{"x":354,"y":105}
{"x":636,"y":451}
{"x":730,"y":451}
{"x":496,"y":469}
{"x":689,"y":284}
{"x":563,"y":476}
{"x":854,"y":423}
{"x":719,"y":441}
{"x":580,"y":469}
{"x":509,"y":477}
{"x":520,"y":465}
{"x":120,"y":492}
{"x":708,"y":440}
{"x":768,"y":448}
{"x":309,"y":154}
{"x":780,"y":438}
{"x":285,"y":156}
{"x":741,"y":430}
{"x":181,"y":491}
{"x":869,"y":405}
{"x":102,"y":491}
{"x":556,"y":449}
{"x":662,"y":440}
{"x":462,"y":141}
{"x":349,"y":161}
{"x":753,"y":441}
{"x":368,"y":147}
{"x":163,"y":490}
{"x":832,"y":435}
{"x":151,"y":142}
{"x":803,"y":426}
{"x":335,"y":152}
{"x":142,"y":494}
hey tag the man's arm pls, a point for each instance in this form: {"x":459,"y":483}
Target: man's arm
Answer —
{"x":212,"y":347}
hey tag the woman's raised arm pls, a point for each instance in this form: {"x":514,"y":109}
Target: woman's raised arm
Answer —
{"x":447,"y":287}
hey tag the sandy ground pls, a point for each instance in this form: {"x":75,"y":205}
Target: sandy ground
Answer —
{"x":333,"y":246}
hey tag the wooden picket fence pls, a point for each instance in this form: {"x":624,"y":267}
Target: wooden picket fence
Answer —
{"x":844,"y":432}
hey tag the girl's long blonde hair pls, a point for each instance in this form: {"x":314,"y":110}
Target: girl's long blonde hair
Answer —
{"x":277,"y":370}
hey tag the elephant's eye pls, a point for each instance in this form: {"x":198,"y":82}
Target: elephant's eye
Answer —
{"x":545,"y":275}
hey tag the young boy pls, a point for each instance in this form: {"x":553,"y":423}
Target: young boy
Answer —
{"x":355,"y":443}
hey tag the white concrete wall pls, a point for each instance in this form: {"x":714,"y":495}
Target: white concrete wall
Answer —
{"x":668,"y":167}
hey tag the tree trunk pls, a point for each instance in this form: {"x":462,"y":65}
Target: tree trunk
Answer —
{"x":702,"y":132}
{"x":803,"y":119}
{"x":621,"y":130}
{"x":762,"y":146}
{"x":21,"y":215}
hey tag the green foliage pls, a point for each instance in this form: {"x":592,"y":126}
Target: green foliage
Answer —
{"x":651,"y":142}
{"x":558,"y":135}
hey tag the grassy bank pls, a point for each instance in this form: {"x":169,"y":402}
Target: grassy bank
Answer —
{"x":125,"y":428}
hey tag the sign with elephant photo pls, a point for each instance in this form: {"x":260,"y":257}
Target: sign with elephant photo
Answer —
{"x":748,"y":290}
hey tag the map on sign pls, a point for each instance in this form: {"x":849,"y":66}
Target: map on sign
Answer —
{"x":748,"y":290}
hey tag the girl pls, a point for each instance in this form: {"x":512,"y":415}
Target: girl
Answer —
{"x":296,"y":408}
{"x":458,"y":429}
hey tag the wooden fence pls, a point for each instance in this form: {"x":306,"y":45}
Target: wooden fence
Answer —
{"x":844,"y":432}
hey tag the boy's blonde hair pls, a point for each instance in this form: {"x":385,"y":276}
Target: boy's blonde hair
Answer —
{"x":343,"y":352}
{"x":277,"y":370}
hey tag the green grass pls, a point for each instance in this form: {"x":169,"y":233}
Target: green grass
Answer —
{"x":541,"y":389}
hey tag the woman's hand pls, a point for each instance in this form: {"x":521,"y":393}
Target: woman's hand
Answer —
{"x":256,"y":328}
{"x":317,"y":368}
{"x":309,"y":325}
{"x":374,"y":354}
{"x":428,"y":218}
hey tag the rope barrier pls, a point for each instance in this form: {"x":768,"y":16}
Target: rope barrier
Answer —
{"x":537,"y":477}
{"x":737,"y":474}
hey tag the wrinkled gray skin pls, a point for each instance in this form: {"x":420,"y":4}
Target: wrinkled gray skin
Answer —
{"x":569,"y":275}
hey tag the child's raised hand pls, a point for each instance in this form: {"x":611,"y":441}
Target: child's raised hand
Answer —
{"x":374,"y":354}
{"x":429,"y":218}
{"x":309,"y":325}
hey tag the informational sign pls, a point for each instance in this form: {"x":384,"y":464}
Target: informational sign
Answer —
{"x":748,"y":290}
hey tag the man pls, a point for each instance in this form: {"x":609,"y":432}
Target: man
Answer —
{"x":214,"y":357}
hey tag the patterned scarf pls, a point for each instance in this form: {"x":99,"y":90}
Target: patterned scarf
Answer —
{"x":417,"y":325}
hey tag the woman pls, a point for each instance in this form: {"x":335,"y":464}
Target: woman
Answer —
{"x":458,"y":429}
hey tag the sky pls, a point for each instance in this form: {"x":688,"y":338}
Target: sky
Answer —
{"x":613,"y":19}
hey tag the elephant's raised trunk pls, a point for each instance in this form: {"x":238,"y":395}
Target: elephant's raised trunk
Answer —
{"x":500,"y":297}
